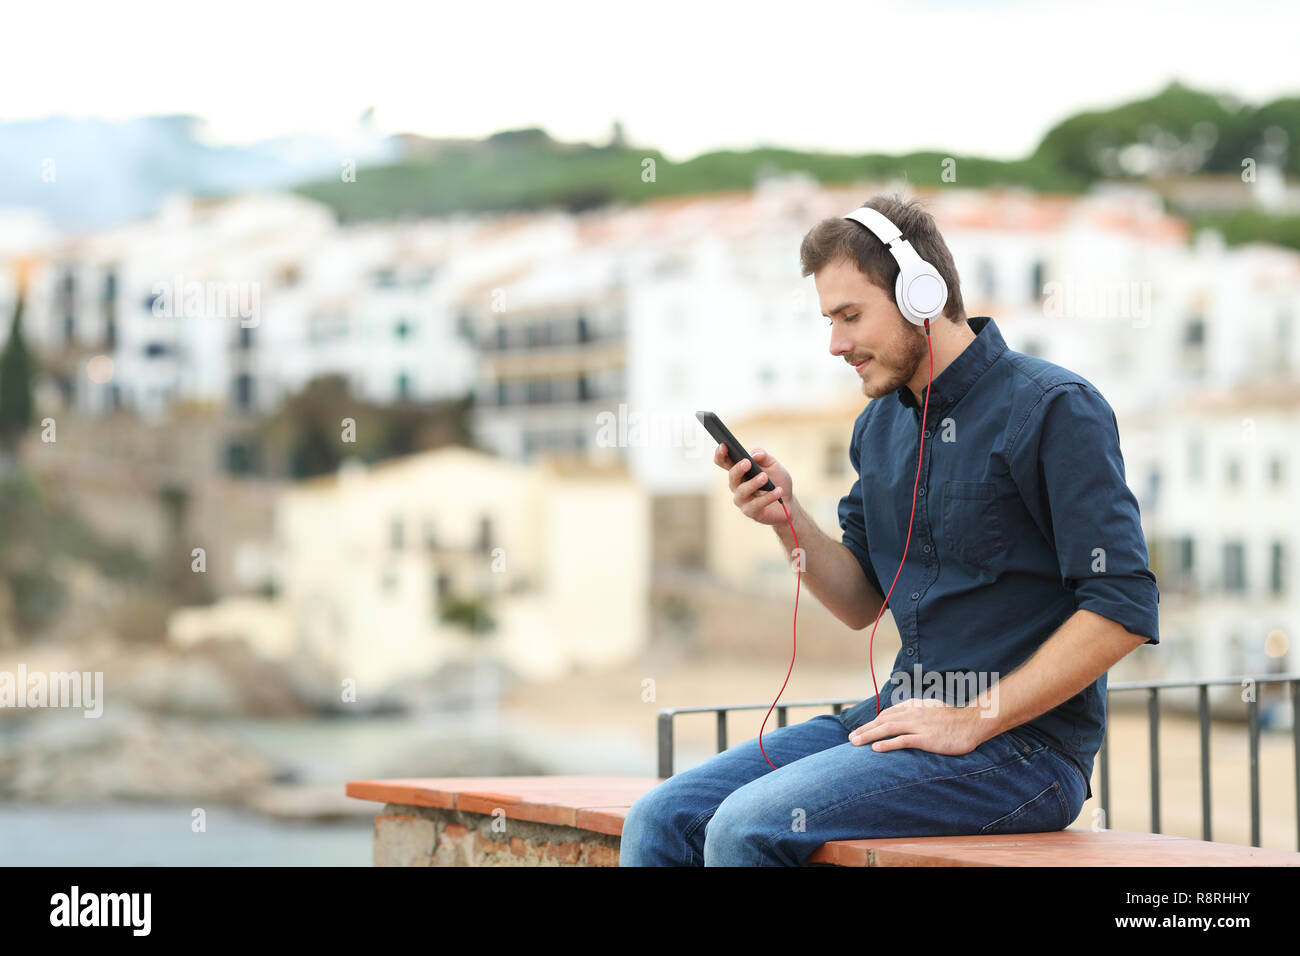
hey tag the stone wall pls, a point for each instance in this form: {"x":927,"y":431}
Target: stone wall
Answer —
{"x":427,"y":836}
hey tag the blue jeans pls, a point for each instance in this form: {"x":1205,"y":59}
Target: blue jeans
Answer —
{"x":735,"y":810}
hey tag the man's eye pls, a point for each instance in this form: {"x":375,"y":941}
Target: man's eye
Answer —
{"x":847,"y":318}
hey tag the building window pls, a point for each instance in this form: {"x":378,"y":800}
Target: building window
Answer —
{"x":1036,"y":276}
{"x":485,"y":534}
{"x":245,"y":337}
{"x":155,"y":349}
{"x":1234,"y":473}
{"x":1234,"y":567}
{"x":240,"y":458}
{"x":1194,"y":347}
{"x":1195,"y":459}
{"x":1275,"y":471}
{"x":403,"y":329}
{"x":430,"y":539}
{"x":243,"y":391}
{"x":403,"y":385}
{"x":395,"y":534}
{"x":1187,"y":557}
{"x":1277,"y":568}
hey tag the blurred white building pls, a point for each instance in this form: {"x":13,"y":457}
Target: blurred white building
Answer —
{"x":372,"y":558}
{"x":1215,"y":478}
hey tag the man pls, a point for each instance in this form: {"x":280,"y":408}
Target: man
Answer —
{"x":1026,"y":570}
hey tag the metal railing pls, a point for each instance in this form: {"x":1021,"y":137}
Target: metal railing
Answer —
{"x":1153,"y":688}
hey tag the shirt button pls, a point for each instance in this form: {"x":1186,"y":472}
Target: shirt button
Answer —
{"x":911,"y":651}
{"x":927,"y":434}
{"x":926,"y":549}
{"x":921,"y":492}
{"x":915,"y":595}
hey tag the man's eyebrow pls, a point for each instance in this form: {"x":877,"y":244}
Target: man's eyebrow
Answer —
{"x":838,"y":309}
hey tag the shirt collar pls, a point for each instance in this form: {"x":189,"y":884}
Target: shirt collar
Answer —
{"x":955,"y":380}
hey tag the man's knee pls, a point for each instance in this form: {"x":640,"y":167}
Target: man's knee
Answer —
{"x":657,"y":823}
{"x":744,"y":826}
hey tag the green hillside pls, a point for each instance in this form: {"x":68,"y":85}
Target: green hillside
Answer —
{"x":1178,"y":130}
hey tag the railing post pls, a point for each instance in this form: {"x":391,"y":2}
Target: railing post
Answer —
{"x":1252,"y":719}
{"x":1153,"y":720}
{"x":1295,"y":744}
{"x":1105,"y":770}
{"x":722,"y":729}
{"x":665,"y":743}
{"x":1203,"y":709}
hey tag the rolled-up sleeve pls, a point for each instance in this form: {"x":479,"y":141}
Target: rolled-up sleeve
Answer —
{"x":1067,"y":463}
{"x":853,"y":517}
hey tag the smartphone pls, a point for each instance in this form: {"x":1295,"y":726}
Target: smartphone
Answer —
{"x":722,"y":435}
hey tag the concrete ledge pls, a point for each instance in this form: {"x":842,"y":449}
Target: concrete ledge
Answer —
{"x":576,"y":821}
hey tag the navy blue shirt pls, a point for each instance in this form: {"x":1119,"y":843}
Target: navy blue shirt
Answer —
{"x":1023,"y":516}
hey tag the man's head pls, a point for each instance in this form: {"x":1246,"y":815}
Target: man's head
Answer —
{"x":855,"y":274}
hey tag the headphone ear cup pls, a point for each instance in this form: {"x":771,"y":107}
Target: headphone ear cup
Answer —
{"x":932,"y":290}
{"x":900,"y":296}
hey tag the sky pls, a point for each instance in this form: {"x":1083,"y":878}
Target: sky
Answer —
{"x":985,"y":78}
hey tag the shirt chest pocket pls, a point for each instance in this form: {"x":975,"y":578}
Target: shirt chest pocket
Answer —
{"x":972,"y":531}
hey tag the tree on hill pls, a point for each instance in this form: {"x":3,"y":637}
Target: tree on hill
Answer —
{"x":15,"y":384}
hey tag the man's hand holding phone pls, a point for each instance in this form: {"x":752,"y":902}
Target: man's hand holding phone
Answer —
{"x":753,"y":503}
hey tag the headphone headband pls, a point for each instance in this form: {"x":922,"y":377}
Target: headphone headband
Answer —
{"x":920,"y":291}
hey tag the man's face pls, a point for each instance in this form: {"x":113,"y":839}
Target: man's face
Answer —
{"x":869,"y":326}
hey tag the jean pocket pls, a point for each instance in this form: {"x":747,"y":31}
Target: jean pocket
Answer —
{"x":1041,"y":814}
{"x":1023,"y":743}
{"x":971,"y":526}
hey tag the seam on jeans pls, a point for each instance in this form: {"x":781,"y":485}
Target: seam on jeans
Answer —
{"x":1019,"y":811}
{"x":1033,"y":743}
{"x":1065,"y":806}
{"x":702,"y":818}
{"x":1073,"y":766}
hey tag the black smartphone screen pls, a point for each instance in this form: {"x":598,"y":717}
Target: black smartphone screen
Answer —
{"x":722,"y":434}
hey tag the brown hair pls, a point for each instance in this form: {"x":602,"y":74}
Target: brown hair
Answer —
{"x":836,"y":238}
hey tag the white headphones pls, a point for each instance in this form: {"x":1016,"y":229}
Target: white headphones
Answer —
{"x":920,"y":291}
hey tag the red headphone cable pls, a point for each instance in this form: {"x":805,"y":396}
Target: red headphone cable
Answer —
{"x":915,"y":484}
{"x":799,"y":581}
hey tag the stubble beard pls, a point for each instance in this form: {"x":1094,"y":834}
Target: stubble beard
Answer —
{"x":909,"y":349}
